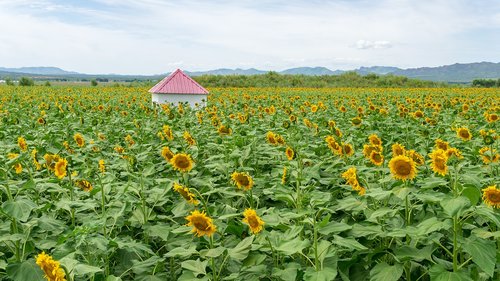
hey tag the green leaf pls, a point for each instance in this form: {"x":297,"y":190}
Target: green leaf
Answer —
{"x":334,"y":227}
{"x":240,"y":252}
{"x":212,"y":253}
{"x":455,"y":206}
{"x":27,"y":270}
{"x":197,"y":267}
{"x":359,"y":230}
{"x":20,"y":209}
{"x":405,"y":253}
{"x":161,"y":231}
{"x":287,"y":274}
{"x":293,"y":246}
{"x":327,"y":274}
{"x":483,"y":253}
{"x":182,"y":252}
{"x":473,"y":194}
{"x":430,"y":225}
{"x":84,"y":269}
{"x":385,"y":272}
{"x":381,"y":213}
{"x":487,"y":213}
{"x":113,"y":278}
{"x":348,"y":243}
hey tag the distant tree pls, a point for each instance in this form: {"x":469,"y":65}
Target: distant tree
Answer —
{"x":47,"y":84}
{"x":487,"y":83}
{"x":498,"y":82}
{"x":93,"y":83}
{"x":25,"y":81}
{"x":9,"y":82}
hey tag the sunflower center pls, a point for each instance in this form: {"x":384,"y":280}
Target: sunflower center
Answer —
{"x":403,"y":168}
{"x":182,"y":162}
{"x":253,"y":221}
{"x":495,"y":197}
{"x":201,"y":223}
{"x":439,"y":162}
{"x":243,"y":180}
{"x":464,"y":134}
{"x":376,"y":157}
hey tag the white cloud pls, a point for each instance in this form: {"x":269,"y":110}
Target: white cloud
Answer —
{"x":366,"y":44}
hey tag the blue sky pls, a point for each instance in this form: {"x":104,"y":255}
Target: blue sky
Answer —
{"x":154,"y":36}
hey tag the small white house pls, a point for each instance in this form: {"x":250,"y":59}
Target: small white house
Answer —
{"x":179,"y":88}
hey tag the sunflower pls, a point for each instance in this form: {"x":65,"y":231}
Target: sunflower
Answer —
{"x":375,"y":140}
{"x":441,"y":144}
{"x":453,"y":152}
{"x":255,"y":223}
{"x":167,"y":153}
{"x":416,"y":157}
{"x":418,"y":114}
{"x":79,"y":139}
{"x":369,"y":148}
{"x":488,"y":155}
{"x":439,"y":159}
{"x":223,"y":130}
{"x":352,"y":179}
{"x":60,"y":168}
{"x":185,"y":193}
{"x":167,"y":132}
{"x":290,"y":154}
{"x":356,"y":121}
{"x":12,"y":155}
{"x":102,"y":166}
{"x":491,"y":196}
{"x":41,"y":121}
{"x":271,"y":138}
{"x":21,"y":142}
{"x":314,"y":108}
{"x":376,"y":158}
{"x":492,"y":118}
{"x":18,"y":168}
{"x":129,"y":140}
{"x":398,"y":150}
{"x":201,"y":223}
{"x":189,"y":139}
{"x":119,"y":149}
{"x":347,"y":149}
{"x":283,"y":178}
{"x":464,"y":134}
{"x":51,"y":268}
{"x":242,"y":180}
{"x":84,"y":185}
{"x":402,"y":167}
{"x":182,"y":162}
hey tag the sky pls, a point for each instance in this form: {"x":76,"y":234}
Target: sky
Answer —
{"x":155,"y":36}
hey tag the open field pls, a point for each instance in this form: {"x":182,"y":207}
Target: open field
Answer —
{"x":262,"y":184}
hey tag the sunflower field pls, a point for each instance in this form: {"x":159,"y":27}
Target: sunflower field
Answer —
{"x":261,"y":184}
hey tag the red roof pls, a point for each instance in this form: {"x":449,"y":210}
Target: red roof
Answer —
{"x":178,"y":83}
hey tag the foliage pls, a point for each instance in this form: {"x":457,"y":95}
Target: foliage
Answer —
{"x":26,"y":81}
{"x":348,"y":79}
{"x":487,"y":83}
{"x":93,"y":83}
{"x":115,"y":214}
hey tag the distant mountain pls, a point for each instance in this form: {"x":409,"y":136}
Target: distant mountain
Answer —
{"x":41,"y":70}
{"x":311,"y":71}
{"x":459,"y":72}
{"x":227,"y":71}
{"x":381,"y":70}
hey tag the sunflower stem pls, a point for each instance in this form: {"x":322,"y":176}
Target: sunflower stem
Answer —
{"x":103,"y":206}
{"x":212,"y":260}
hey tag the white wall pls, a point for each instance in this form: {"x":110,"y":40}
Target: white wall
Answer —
{"x":176,"y":98}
